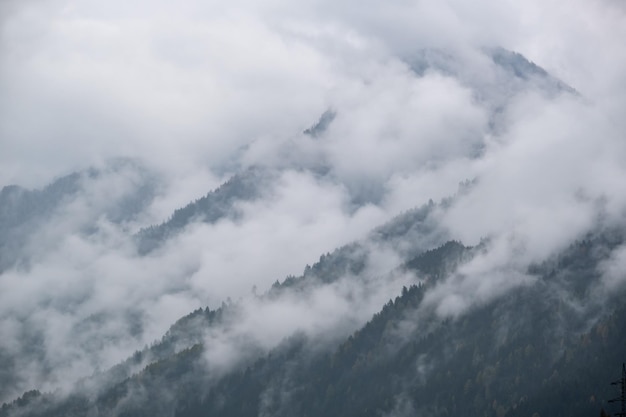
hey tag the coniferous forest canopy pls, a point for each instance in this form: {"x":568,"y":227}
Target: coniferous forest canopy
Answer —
{"x":262,"y":208}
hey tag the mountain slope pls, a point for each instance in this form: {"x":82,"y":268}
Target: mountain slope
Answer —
{"x":119,"y":191}
{"x":441,"y":346}
{"x":215,"y":205}
{"x":528,"y":352}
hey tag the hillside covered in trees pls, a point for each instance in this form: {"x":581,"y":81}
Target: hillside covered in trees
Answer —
{"x":548,"y":348}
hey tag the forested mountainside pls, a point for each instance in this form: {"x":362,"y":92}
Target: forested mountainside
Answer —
{"x":316,"y":208}
{"x":549,"y":348}
{"x":504,"y":299}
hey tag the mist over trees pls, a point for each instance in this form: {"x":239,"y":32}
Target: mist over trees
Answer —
{"x":261,"y":209}
{"x":548,"y":348}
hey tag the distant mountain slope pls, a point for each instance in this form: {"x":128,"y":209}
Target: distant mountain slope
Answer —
{"x":496,"y":76}
{"x":23,"y":212}
{"x":322,"y":124}
{"x":513,"y":70}
{"x":521,"y":67}
{"x":215,"y":205}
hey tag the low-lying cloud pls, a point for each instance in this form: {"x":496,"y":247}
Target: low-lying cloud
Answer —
{"x":198,"y":91}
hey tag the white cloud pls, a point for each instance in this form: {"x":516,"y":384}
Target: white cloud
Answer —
{"x":197,"y":89}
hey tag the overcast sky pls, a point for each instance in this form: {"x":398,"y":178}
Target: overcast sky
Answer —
{"x":196,"y":90}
